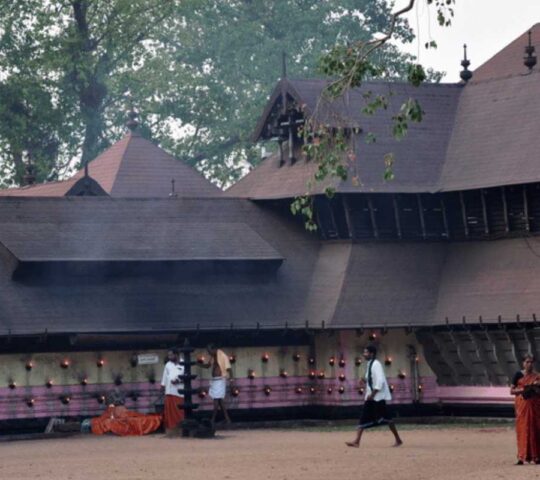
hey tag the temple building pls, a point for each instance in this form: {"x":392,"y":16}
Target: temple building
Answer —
{"x":102,"y":272}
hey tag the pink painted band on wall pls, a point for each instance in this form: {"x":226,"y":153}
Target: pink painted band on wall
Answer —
{"x":83,"y":399}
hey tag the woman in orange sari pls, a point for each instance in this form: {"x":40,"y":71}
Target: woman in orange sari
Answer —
{"x":526,"y":389}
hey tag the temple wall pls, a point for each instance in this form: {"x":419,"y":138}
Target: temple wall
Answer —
{"x":286,"y":379}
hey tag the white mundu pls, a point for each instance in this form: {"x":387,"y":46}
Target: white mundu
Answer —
{"x":170,"y":373}
{"x":378,"y":380}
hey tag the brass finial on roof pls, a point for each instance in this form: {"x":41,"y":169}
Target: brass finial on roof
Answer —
{"x":465,"y":74}
{"x":530,"y":58}
{"x":132,"y":124}
{"x":173,"y":193}
{"x":29,"y":177}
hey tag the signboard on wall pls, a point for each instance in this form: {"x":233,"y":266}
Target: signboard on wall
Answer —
{"x":147,"y":359}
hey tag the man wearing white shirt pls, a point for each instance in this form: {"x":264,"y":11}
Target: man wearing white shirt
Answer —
{"x":377,"y":394}
{"x":171,"y":382}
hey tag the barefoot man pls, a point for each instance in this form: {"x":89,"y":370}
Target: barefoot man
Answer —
{"x":221,"y":370}
{"x":377,"y":393}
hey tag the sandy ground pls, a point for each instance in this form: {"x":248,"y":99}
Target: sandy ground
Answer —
{"x":453,"y":453}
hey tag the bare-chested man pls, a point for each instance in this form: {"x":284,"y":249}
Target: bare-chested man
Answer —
{"x":221,"y":370}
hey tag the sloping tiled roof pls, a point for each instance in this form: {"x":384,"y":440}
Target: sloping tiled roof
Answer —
{"x":340,"y":284}
{"x":478,"y":135}
{"x":419,"y":157}
{"x":132,"y":167}
{"x":127,"y":241}
{"x":164,"y":298}
{"x":496,"y":135}
{"x":508,"y":62}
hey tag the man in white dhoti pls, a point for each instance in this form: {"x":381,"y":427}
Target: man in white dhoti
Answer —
{"x":221,"y":370}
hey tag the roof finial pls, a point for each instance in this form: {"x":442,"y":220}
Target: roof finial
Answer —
{"x":29,"y":177}
{"x":132,"y":124}
{"x":530,"y":58}
{"x":173,"y":193}
{"x":465,"y":74}
{"x":283,"y":64}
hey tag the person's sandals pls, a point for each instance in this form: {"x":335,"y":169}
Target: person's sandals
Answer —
{"x":519,"y":462}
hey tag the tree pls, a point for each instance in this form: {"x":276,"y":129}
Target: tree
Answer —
{"x":66,"y":63}
{"x":348,"y":66}
{"x":199,"y":72}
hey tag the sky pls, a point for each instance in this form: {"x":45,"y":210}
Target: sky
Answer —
{"x":486,"y":26}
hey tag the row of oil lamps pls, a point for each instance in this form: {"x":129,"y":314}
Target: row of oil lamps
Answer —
{"x":65,"y":363}
{"x":251,"y":375}
{"x":235,"y":392}
{"x":265,"y":358}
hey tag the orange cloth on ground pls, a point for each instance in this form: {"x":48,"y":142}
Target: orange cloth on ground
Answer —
{"x":528,"y":422}
{"x":121,"y":421}
{"x":172,"y":415}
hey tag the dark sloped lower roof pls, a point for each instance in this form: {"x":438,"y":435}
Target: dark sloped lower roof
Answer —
{"x":391,"y":284}
{"x":128,"y":241}
{"x":489,"y":279}
{"x":149,"y":302}
{"x":424,"y":284}
{"x":338,"y":283}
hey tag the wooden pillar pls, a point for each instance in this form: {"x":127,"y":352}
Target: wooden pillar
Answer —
{"x":372,"y":216}
{"x":421,"y":214}
{"x":321,"y":230}
{"x":505,"y":211}
{"x":444,"y":217}
{"x":484,"y":211}
{"x":464,"y":213}
{"x":396,"y":216}
{"x":348,"y":219}
{"x":526,"y":209}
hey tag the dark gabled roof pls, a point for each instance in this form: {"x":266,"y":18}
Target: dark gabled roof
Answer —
{"x":125,"y":240}
{"x":419,"y":157}
{"x":132,"y":167}
{"x":478,"y":135}
{"x":86,"y":186}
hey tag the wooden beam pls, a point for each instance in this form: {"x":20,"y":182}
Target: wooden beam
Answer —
{"x":348,"y":219}
{"x":505,"y":211}
{"x":421,"y":215}
{"x":318,"y":221}
{"x":484,"y":211}
{"x":396,"y":216}
{"x":526,"y":209}
{"x":444,"y":217}
{"x":332,"y":216}
{"x":464,"y":213}
{"x":372,"y":216}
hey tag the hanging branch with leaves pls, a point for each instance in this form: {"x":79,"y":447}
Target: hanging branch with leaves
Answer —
{"x":333,"y":149}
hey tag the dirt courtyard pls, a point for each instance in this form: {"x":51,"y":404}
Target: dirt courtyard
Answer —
{"x":441,"y":453}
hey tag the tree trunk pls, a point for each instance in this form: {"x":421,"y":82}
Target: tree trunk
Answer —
{"x":91,"y":89}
